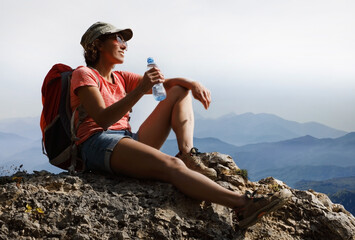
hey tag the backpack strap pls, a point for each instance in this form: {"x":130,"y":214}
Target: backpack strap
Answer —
{"x":97,"y":75}
{"x":121,"y":78}
{"x":119,"y":75}
{"x":82,"y":114}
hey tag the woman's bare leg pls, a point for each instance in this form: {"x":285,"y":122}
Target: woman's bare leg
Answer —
{"x":174,"y":112}
{"x":142,"y":161}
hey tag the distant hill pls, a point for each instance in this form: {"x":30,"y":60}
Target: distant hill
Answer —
{"x":31,"y":158}
{"x":339,"y":190}
{"x":11,"y":143}
{"x":249,"y":128}
{"x":27,"y":127}
{"x":329,"y":186}
{"x":293,"y":174}
{"x":20,"y":144}
{"x":303,"y":151}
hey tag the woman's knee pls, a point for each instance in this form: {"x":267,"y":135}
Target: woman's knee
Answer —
{"x":174,"y":167}
{"x":178,"y":91}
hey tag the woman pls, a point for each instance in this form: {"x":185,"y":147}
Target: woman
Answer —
{"x":106,"y":140}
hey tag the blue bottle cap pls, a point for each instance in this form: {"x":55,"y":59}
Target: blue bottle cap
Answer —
{"x":150,"y":60}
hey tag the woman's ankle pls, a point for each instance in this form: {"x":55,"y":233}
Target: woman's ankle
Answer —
{"x":241,"y":202}
{"x":185,"y":150}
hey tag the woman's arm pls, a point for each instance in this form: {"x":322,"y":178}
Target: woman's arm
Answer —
{"x":199,"y":92}
{"x":91,"y":99}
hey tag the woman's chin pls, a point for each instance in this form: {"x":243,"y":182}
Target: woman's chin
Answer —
{"x":119,"y":60}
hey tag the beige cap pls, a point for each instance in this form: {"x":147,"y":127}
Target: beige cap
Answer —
{"x":101,"y":28}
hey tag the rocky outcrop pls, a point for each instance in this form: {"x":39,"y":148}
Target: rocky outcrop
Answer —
{"x":92,"y":206}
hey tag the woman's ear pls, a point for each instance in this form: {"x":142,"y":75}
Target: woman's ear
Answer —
{"x":98,"y":44}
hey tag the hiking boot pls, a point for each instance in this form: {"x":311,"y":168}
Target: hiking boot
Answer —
{"x":193,"y":162}
{"x":258,"y":206}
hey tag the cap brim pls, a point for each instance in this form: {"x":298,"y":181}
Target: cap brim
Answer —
{"x":127,"y":33}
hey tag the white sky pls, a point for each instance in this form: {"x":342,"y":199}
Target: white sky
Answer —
{"x":292,"y":58}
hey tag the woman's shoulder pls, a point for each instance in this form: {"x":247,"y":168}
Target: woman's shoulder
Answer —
{"x":82,"y":69}
{"x":84,"y":76}
{"x":83,"y":72}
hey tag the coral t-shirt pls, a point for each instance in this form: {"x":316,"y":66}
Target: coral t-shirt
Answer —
{"x":111,"y":93}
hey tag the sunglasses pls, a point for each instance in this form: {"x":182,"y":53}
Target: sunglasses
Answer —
{"x":121,"y":40}
{"x":116,"y":37}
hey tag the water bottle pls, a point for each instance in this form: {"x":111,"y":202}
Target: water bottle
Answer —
{"x":158,"y":89}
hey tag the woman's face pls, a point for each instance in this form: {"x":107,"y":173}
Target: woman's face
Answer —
{"x":113,"y":48}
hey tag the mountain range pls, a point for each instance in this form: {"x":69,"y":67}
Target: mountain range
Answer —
{"x":329,"y":186}
{"x":303,"y":151}
{"x":249,"y":128}
{"x":11,"y":143}
{"x":27,"y":127}
{"x":271,"y":155}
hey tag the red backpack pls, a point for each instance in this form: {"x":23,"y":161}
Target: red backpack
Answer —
{"x":57,"y":119}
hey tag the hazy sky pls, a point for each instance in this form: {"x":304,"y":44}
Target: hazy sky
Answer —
{"x":295,"y":59}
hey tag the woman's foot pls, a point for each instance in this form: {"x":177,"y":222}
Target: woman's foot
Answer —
{"x":258,"y":206}
{"x":193,"y":162}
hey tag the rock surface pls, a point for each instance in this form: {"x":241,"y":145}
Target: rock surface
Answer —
{"x":92,"y":206}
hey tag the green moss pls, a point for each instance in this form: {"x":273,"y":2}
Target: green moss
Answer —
{"x":275,"y":187}
{"x":242,"y":172}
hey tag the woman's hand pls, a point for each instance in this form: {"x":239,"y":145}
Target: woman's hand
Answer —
{"x":201,"y":93}
{"x":150,"y":78}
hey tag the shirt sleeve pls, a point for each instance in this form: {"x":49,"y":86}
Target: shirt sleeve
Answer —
{"x":83,"y":76}
{"x":131,"y":80}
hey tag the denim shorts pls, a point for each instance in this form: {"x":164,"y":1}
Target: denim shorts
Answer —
{"x":96,"y":151}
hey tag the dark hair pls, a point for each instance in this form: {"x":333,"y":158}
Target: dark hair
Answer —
{"x":91,"y":52}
